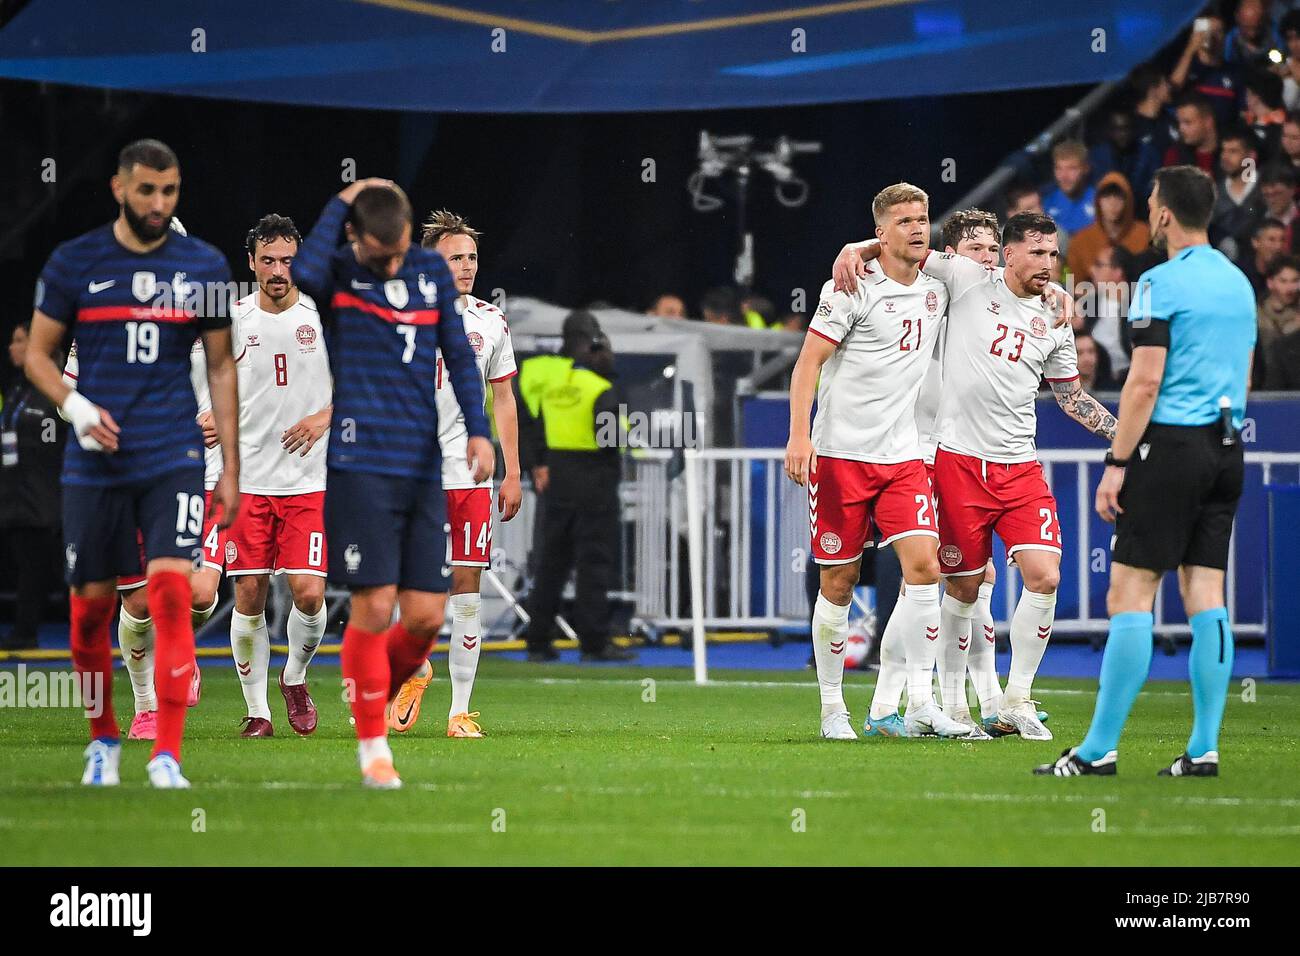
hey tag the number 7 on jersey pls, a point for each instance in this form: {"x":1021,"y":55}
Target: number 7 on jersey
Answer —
{"x":408,"y":353}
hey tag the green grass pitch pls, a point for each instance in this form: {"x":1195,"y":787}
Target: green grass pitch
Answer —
{"x":580,"y":768}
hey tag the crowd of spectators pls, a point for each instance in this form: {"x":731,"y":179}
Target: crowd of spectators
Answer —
{"x":1227,"y":99}
{"x":723,"y":305}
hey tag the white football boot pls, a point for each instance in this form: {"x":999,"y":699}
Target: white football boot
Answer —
{"x":975,"y":731}
{"x":1024,"y":717}
{"x":930,"y":720}
{"x":101,"y":764}
{"x":165,"y":773}
{"x":838,"y":726}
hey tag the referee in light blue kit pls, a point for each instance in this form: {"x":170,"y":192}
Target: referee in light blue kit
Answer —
{"x":1174,"y":473}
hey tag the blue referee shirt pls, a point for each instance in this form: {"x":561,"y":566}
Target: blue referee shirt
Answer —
{"x":1210,"y":307}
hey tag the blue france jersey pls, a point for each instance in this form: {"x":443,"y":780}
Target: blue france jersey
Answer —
{"x":1210,"y":307}
{"x":384,"y":339}
{"x":136,"y":316}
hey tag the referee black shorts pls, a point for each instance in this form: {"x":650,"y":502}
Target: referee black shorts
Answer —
{"x":1179,"y":497}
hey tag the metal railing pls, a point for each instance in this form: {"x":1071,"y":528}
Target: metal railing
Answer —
{"x":747,"y":527}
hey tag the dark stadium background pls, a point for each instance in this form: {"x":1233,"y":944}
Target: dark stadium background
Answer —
{"x":560,"y":198}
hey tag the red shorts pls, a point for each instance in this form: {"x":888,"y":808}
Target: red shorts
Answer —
{"x":213,"y":542}
{"x":469,"y":526}
{"x":977,"y":498}
{"x":215,"y":549}
{"x":277,"y":534}
{"x":849,"y":500}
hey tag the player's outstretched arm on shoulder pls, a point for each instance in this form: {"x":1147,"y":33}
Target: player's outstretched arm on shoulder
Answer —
{"x":851,"y":264}
{"x":1084,"y":409}
{"x":1062,"y":306}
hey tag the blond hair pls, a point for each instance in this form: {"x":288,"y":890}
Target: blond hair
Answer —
{"x":1070,"y":149}
{"x":443,"y":223}
{"x":896,"y":195}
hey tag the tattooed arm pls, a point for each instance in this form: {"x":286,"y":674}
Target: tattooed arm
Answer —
{"x":1084,"y":409}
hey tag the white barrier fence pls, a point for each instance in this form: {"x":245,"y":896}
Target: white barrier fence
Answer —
{"x":722,"y":544}
{"x":732,"y":526}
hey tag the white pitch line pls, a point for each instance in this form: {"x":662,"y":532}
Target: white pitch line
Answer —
{"x":799,"y":685}
{"x":1195,"y":831}
{"x":741,"y":793}
{"x":1113,"y":798}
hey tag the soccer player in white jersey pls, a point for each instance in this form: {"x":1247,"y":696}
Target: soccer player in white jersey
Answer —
{"x":1003,"y":339}
{"x":862,"y":462}
{"x":469,"y":502}
{"x":972,"y":233}
{"x":285,"y":402}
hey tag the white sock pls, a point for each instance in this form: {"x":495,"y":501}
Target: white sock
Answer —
{"x":135,"y":639}
{"x":954,"y":645}
{"x":304,"y":632}
{"x":1031,"y":627}
{"x":920,"y":605}
{"x":466,"y":644}
{"x":830,"y":630}
{"x":372,"y":748}
{"x":199,"y":618}
{"x":982,"y":660}
{"x":892,"y":679}
{"x":252,"y":649}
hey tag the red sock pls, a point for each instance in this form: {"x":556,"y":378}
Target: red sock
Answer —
{"x":406,"y":653}
{"x":169,"y":606}
{"x":92,"y":660}
{"x":365,"y":669}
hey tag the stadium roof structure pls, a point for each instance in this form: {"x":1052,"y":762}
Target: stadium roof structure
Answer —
{"x":508,"y":56}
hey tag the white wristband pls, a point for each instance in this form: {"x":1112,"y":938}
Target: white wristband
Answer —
{"x":83,"y":416}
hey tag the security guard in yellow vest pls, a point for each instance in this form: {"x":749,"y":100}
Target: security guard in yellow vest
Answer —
{"x":570,"y":395}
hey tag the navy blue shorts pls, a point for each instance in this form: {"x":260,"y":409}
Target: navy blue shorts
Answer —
{"x":100,"y":525}
{"x":383,"y":530}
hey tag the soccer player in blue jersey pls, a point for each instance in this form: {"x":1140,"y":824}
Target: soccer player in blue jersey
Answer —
{"x":138,"y":293}
{"x":390,"y":307}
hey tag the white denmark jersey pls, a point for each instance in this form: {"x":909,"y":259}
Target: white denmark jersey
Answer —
{"x":488,"y":334}
{"x":927,"y":400}
{"x":284,"y":376}
{"x":198,"y":381}
{"x":999,"y":347}
{"x":866,"y":400}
